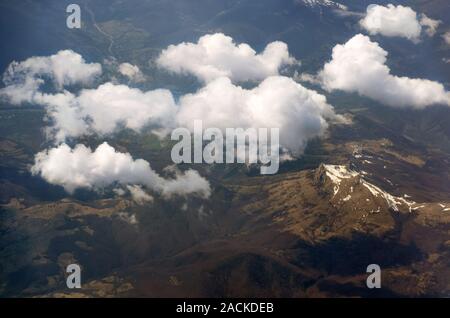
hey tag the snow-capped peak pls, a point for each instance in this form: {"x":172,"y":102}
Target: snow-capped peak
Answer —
{"x":338,"y":173}
{"x":326,"y":3}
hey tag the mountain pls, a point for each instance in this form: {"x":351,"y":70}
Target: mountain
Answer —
{"x":299,"y":234}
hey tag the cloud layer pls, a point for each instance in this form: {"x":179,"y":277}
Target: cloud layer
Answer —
{"x":216,"y":55}
{"x":359,"y":66}
{"x":277,"y":102}
{"x":83,"y":168}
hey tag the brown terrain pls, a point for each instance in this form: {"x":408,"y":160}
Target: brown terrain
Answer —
{"x":305,"y":233}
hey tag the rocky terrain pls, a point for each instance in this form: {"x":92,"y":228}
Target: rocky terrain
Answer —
{"x":307,"y":233}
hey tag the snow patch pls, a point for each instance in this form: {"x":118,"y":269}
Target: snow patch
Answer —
{"x":326,"y":3}
{"x":391,"y":200}
{"x":336,"y":173}
{"x":348,"y":197}
{"x":376,"y":211}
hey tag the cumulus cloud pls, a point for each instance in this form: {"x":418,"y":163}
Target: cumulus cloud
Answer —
{"x":277,"y":102}
{"x":132,"y":72}
{"x":109,"y":105}
{"x":81,"y":167}
{"x":63,"y":68}
{"x":446,"y":37}
{"x":139,"y":195}
{"x":119,"y":192}
{"x":392,"y":21}
{"x":25,"y":90}
{"x":429,"y":24}
{"x":99,"y":110}
{"x":103,"y":109}
{"x":216,"y":55}
{"x":359,"y":66}
{"x":66,"y":119}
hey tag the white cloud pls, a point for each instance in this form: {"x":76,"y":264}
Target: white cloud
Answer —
{"x":429,"y":24}
{"x":392,"y":21}
{"x":346,"y":13}
{"x":119,"y":192}
{"x":23,"y":80}
{"x":132,"y":72}
{"x":83,"y":168}
{"x":66,"y":118}
{"x":103,"y":109}
{"x":22,"y":91}
{"x":216,"y":55}
{"x":64,"y":68}
{"x":100,"y":110}
{"x":359,"y":66}
{"x":131,"y":219}
{"x":446,"y":37}
{"x":139,"y":196}
{"x":110,"y":105}
{"x":278,"y":102}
